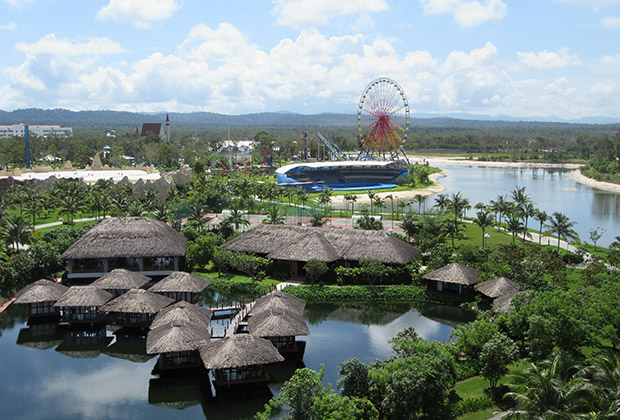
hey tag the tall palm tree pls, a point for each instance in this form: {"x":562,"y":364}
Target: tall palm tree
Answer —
{"x":420,"y":199}
{"x":515,"y":226}
{"x":317,"y":220}
{"x":458,"y":204}
{"x":33,"y":206}
{"x":542,"y":218}
{"x":500,"y":206}
{"x":526,"y":210}
{"x":274,"y":217}
{"x":561,"y":225}
{"x":70,"y":205}
{"x":352,"y":198}
{"x":452,"y":227}
{"x":325,"y":198}
{"x":197,"y":213}
{"x":519,"y":196}
{"x":379,"y":203}
{"x":371,"y":197}
{"x":441,"y":201}
{"x":17,"y":231}
{"x":18,"y":196}
{"x":410,"y":225}
{"x":237,"y":218}
{"x":484,"y":219}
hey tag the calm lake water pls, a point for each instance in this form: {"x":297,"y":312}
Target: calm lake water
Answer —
{"x":551,"y":190}
{"x":51,"y":374}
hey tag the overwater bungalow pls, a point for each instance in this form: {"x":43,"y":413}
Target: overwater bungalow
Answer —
{"x":120,"y":280}
{"x":280,"y":328}
{"x":181,"y":286}
{"x":137,"y":308}
{"x":177,"y":344}
{"x":140,"y":244}
{"x":184,"y":313}
{"x":453,"y":277}
{"x":278,"y":300}
{"x":82,"y":304}
{"x":293,"y":246}
{"x":40,"y":297}
{"x":239,"y":359}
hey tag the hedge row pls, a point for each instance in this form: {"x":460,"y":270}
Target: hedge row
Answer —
{"x":470,"y":405}
{"x":234,"y":288}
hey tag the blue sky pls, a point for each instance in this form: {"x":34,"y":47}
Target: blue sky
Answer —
{"x":521,"y":58}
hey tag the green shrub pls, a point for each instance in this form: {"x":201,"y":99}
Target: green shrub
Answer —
{"x":469,"y":405}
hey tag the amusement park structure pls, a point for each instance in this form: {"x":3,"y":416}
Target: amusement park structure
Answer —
{"x":382,"y":126}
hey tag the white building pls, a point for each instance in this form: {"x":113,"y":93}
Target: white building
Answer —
{"x":19,"y":130}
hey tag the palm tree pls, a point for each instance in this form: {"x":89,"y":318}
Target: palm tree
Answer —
{"x":352,"y":198}
{"x":237,"y":218}
{"x":453,"y":228}
{"x":70,"y":205}
{"x":457,"y":204}
{"x":500,"y":206}
{"x":274,"y":217}
{"x":410,"y":225}
{"x":561,"y":225}
{"x":401,"y":206}
{"x":135,"y":208}
{"x":420,"y":199}
{"x":542,"y":218}
{"x":16,"y":232}
{"x":484,"y":219}
{"x":325,"y":197}
{"x":515,"y":226}
{"x":32,"y":207}
{"x":161,"y":212}
{"x":519,"y":196}
{"x":442,"y":201}
{"x":371,"y":197}
{"x":527,"y":210}
{"x":378,"y":202}
{"x":150,"y":199}
{"x":197,"y":212}
{"x":367,"y":222}
{"x":317,"y":220}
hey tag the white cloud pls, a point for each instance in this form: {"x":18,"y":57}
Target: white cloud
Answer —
{"x":612,"y":22}
{"x":549,"y":59}
{"x":11,"y":26}
{"x":313,"y":13}
{"x":51,"y":45}
{"x":467,"y":13}
{"x":19,"y":4}
{"x":460,"y":61}
{"x":595,"y":4}
{"x":610,"y":63}
{"x":138,"y":12}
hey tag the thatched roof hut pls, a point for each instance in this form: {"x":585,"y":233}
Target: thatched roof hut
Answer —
{"x":176,"y":337}
{"x":180,"y":281}
{"x":277,"y":323}
{"x":278,"y":300}
{"x":238,"y":350}
{"x":455,"y":273}
{"x":294,"y":243}
{"x":497,"y":287}
{"x":121,"y":279}
{"x":83,"y":296}
{"x":501,"y":305}
{"x":183,"y":313}
{"x":122,"y":237}
{"x":138,"y":301}
{"x":40,"y":291}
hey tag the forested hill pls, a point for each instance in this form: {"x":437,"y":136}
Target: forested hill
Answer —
{"x":88,"y":120}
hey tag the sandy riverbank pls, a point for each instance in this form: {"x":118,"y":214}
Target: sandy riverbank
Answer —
{"x":577,"y":176}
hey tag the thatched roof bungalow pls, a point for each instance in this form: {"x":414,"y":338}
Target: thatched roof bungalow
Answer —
{"x":120,"y":280}
{"x":280,"y":328}
{"x":278,"y":300}
{"x":184,"y":313}
{"x":239,"y":359}
{"x":177,"y":344}
{"x":455,"y":277}
{"x":40,"y":297}
{"x":497,"y":287}
{"x":82,"y":304}
{"x":140,"y":244}
{"x":137,"y":307}
{"x":181,"y":286}
{"x":295,"y":245}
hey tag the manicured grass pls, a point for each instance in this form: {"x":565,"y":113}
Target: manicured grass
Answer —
{"x":485,"y":414}
{"x":471,"y":387}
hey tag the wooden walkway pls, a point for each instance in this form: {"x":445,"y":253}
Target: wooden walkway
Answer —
{"x":236,"y":320}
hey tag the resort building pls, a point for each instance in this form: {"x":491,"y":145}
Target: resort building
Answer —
{"x":82,"y":304}
{"x":454,"y":277}
{"x":19,"y":130}
{"x":145,"y":246}
{"x":181,"y":286}
{"x":40,"y":297}
{"x":177,"y":344}
{"x":294,"y":246}
{"x":280,"y":328}
{"x":120,"y":281}
{"x":500,"y":290}
{"x":137,"y":308}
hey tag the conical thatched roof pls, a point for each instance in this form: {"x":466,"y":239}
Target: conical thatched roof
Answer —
{"x":138,"y":301}
{"x":175,"y":337}
{"x":328,"y":244}
{"x":278,"y":300}
{"x":180,"y":281}
{"x":83,"y":296}
{"x":118,"y":237}
{"x":277,"y":323}
{"x":500,"y":286}
{"x":501,"y":305}
{"x":183,"y":313}
{"x":455,"y":273}
{"x":121,"y":279}
{"x":239,"y":350}
{"x":40,"y":291}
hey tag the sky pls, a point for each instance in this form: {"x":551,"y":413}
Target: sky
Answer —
{"x":519,"y":58}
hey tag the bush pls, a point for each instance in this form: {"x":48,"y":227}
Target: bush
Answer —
{"x":572,"y":259}
{"x":200,"y":250}
{"x":315,"y":269}
{"x":469,"y":405}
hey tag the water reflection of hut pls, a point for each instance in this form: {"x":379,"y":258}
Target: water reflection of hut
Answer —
{"x":183,"y":313}
{"x":136,"y":308}
{"x":280,"y":301}
{"x":40,"y":297}
{"x":455,"y":277}
{"x":280,"y":328}
{"x":120,"y":280}
{"x":181,"y":286}
{"x":129,"y":345}
{"x":82,"y":304}
{"x":178,"y":392}
{"x":177,"y":344}
{"x":40,"y":336}
{"x":239,"y":359}
{"x":84,"y":343}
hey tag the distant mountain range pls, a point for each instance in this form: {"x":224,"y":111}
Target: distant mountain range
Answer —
{"x":115,"y":120}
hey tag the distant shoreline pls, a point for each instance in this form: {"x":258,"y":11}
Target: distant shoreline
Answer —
{"x":457,"y":161}
{"x":580,"y":178}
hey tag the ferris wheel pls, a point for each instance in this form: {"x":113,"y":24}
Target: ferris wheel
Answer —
{"x":383,"y":121}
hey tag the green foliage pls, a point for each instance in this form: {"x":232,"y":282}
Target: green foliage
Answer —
{"x":355,"y":379}
{"x":470,"y":405}
{"x":234,"y":288}
{"x":200,"y":250}
{"x":238,"y":262}
{"x":315,"y":269}
{"x":471,"y":338}
{"x":496,"y":355}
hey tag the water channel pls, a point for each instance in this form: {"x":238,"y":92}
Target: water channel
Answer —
{"x":49,"y":374}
